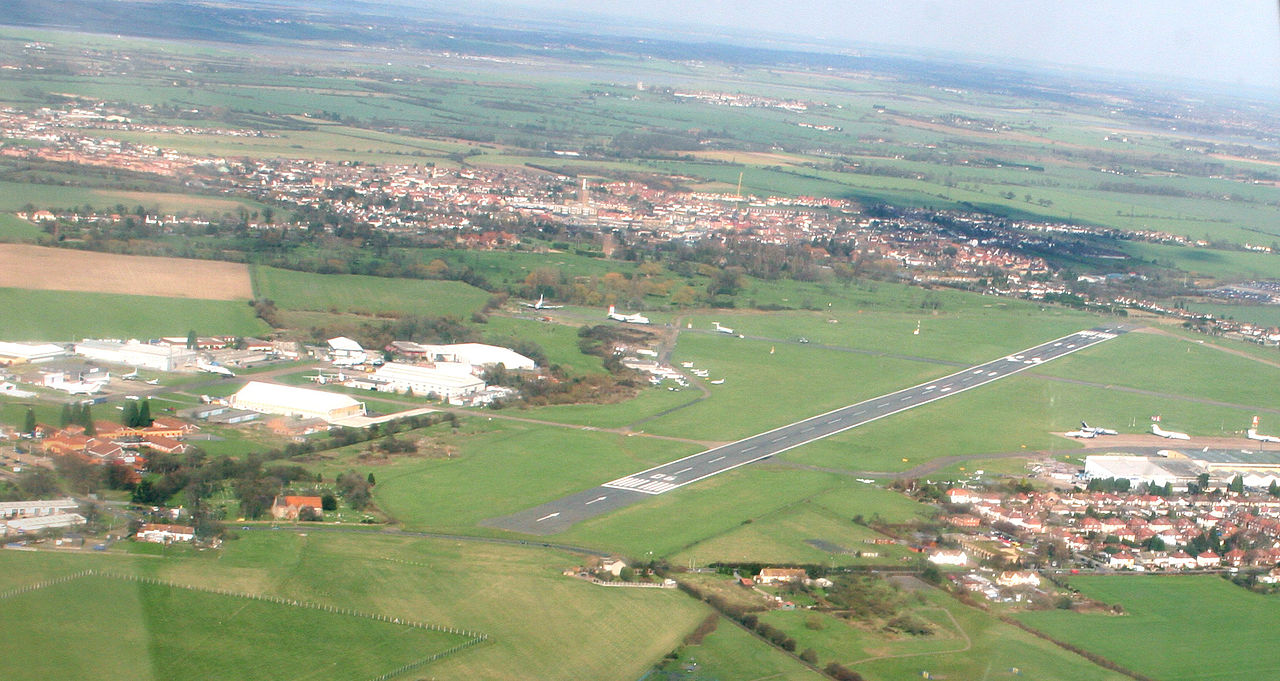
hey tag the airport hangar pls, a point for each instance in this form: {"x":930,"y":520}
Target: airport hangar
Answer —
{"x":1258,"y":468}
{"x":273,"y":398}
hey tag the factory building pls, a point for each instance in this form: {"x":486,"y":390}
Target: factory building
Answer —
{"x":135,"y":354}
{"x":272,"y":398}
{"x":396,"y":377}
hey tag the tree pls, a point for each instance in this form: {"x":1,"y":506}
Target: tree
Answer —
{"x":1202,"y":481}
{"x":37,"y":482}
{"x":809,"y":655}
{"x":1274,"y":489}
{"x":89,"y":429}
{"x":29,"y":424}
{"x":1237,"y":484}
{"x":66,"y":418}
{"x":144,"y":414}
{"x":328,"y":502}
{"x":129,"y":417}
{"x":191,"y":339}
{"x":371,"y":480}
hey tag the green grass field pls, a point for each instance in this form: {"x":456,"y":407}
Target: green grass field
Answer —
{"x":366,"y":295}
{"x":807,"y":533}
{"x":66,"y":316}
{"x":732,"y":654}
{"x":501,"y":467}
{"x":568,"y":629}
{"x":163,"y":632}
{"x":1190,"y":627}
{"x":967,"y":644}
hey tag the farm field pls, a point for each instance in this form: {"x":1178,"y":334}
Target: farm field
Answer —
{"x":1192,"y":627}
{"x":60,"y":269}
{"x":366,"y":295}
{"x":166,"y":632}
{"x":96,"y":315}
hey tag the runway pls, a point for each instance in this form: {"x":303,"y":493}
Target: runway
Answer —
{"x":561,"y":514}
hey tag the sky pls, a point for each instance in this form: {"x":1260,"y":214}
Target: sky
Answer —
{"x":1236,"y":42}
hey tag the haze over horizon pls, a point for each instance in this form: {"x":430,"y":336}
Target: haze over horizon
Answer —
{"x":1235,"y":43}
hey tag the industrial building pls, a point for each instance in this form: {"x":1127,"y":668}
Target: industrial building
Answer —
{"x":427,"y":381}
{"x":135,"y":354}
{"x":273,"y":398}
{"x":30,"y":353}
{"x":1257,"y":468}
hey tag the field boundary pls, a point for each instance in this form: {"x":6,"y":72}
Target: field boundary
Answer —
{"x":474,"y":638}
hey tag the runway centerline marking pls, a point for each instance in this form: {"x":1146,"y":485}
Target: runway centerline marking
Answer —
{"x":657,"y":480}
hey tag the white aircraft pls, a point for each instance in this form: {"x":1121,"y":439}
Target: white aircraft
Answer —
{"x":1096,"y":430}
{"x":1253,"y":435}
{"x":212,"y":368}
{"x":1082,"y":433}
{"x":1168,"y":434}
{"x":131,"y":376}
{"x":541,"y":305}
{"x":81,"y":387}
{"x":636,"y":318}
{"x":718,"y":381}
{"x":154,"y":381}
{"x":723,"y":329}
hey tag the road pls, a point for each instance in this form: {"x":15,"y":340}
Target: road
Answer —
{"x":561,"y":514}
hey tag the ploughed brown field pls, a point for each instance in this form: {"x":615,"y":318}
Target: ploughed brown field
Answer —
{"x":60,"y":269}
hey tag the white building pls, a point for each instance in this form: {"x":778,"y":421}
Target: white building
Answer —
{"x":949,"y":557}
{"x":135,"y":354}
{"x":44,"y":522}
{"x":30,"y":353}
{"x":343,"y":350}
{"x":14,"y":509}
{"x":158,"y":533}
{"x":273,"y":398}
{"x":428,"y":381}
{"x":474,"y":354}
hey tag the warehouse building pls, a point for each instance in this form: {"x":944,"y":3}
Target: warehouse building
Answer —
{"x":135,"y":354}
{"x":30,"y":353}
{"x":427,"y":381}
{"x":286,"y":400}
{"x":1257,"y":468}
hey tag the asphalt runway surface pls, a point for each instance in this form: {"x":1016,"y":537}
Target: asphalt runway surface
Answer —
{"x":561,"y":514}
